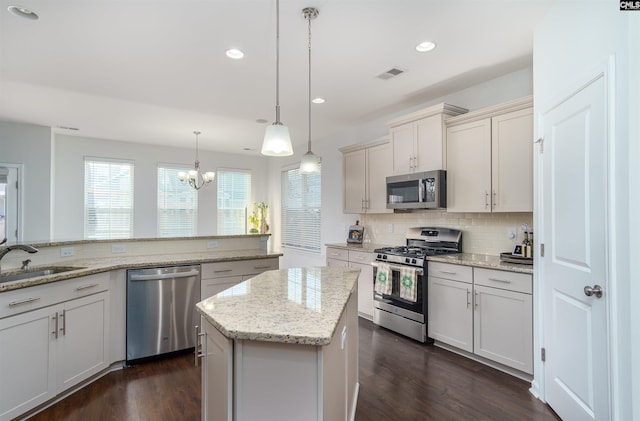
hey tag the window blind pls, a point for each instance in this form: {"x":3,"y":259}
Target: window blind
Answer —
{"x":301,"y":202}
{"x":177,"y":204}
{"x":108,"y":199}
{"x":234,"y":192}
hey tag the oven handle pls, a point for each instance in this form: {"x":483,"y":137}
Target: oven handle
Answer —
{"x":419,"y":271}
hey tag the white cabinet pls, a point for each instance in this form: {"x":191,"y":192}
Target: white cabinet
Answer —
{"x":417,"y":139}
{"x":365,"y":171}
{"x":217,"y":375}
{"x":337,"y":257}
{"x":219,"y":276}
{"x":490,"y":159}
{"x":482,"y":311}
{"x":47,"y":350}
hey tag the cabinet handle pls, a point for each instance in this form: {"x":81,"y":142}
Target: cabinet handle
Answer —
{"x":500,"y":280}
{"x":21,"y":302}
{"x":475,"y":300}
{"x":486,"y":199}
{"x":197,"y":352}
{"x":410,"y":162}
{"x":262,"y":267}
{"x":448,"y":273}
{"x":493,"y":205}
{"x":55,"y":330}
{"x":222,"y":270}
{"x":80,"y":288}
{"x":64,"y":323}
{"x":415,"y":161}
{"x":468,"y":297}
{"x":358,"y":258}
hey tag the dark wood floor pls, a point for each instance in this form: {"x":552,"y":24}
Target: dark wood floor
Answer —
{"x":400,"y":379}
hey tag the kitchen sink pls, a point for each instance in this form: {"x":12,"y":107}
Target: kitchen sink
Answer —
{"x":32,"y":273}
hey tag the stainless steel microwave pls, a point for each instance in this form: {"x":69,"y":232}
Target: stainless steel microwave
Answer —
{"x":423,"y":190}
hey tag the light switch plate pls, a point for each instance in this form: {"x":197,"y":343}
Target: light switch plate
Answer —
{"x":212,"y":244}
{"x":118,"y":248}
{"x":512,"y":233}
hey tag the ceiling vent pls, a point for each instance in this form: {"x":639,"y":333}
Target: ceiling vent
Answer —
{"x":393,"y":72}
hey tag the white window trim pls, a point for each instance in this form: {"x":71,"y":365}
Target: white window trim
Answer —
{"x":174,"y":166}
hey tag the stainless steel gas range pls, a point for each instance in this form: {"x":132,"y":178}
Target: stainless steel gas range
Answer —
{"x":400,"y":279}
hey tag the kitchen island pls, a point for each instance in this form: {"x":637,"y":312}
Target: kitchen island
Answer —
{"x":282,"y":346}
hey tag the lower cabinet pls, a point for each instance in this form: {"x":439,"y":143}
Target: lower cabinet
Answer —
{"x":358,"y":260}
{"x":46,"y":351}
{"x":219,"y":276}
{"x":482,"y":311}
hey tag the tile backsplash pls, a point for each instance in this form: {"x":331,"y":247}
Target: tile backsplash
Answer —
{"x":486,"y":233}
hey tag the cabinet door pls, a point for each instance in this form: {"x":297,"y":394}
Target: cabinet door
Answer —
{"x":337,"y":263}
{"x":83,"y":339}
{"x":217,"y":376}
{"x":429,"y":144}
{"x":402,"y":141}
{"x":512,"y":161}
{"x":365,"y":289}
{"x":450,"y":312}
{"x":379,"y":164}
{"x":27,"y":367}
{"x":503,"y":327}
{"x":355,"y":181}
{"x":469,"y":167}
{"x":210,"y":287}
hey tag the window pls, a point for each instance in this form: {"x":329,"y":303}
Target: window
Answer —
{"x":177,"y":204}
{"x":234,"y":191}
{"x":301,"y":210}
{"x":108,"y":199}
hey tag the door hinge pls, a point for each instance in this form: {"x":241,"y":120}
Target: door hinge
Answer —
{"x":543,"y":354}
{"x":541,"y":249}
{"x":16,"y":184}
{"x":541,"y":142}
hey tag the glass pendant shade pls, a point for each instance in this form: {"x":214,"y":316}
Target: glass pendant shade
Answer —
{"x":310,"y":163}
{"x":277,"y":141}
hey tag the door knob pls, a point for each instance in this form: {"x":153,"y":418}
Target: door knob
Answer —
{"x":596,"y":290}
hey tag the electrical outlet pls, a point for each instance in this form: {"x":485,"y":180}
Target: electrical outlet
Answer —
{"x":118,"y":248}
{"x":67,"y":251}
{"x":512,"y":233}
{"x":389,"y":228}
{"x":212,"y":244}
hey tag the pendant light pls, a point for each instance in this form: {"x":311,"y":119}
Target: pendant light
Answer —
{"x":277,"y":141}
{"x":196,"y":179}
{"x":310,"y":163}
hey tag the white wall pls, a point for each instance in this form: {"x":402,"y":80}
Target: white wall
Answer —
{"x":334,"y":223}
{"x":30,"y":146}
{"x":571,"y":42}
{"x":70,"y":152}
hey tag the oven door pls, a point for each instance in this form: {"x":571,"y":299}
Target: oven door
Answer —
{"x":385,"y":301}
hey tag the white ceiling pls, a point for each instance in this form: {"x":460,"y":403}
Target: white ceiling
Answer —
{"x":153,"y":71}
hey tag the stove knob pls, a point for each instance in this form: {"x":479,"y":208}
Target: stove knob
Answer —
{"x":413,"y":261}
{"x":384,"y":257}
{"x":407,"y":260}
{"x":379,"y":256}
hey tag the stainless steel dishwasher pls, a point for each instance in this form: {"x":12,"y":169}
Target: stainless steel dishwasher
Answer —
{"x":161,"y":310}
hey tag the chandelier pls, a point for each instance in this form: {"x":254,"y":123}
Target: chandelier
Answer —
{"x":196,"y":179}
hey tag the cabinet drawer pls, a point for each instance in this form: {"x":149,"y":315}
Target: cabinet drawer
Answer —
{"x":449,"y":271}
{"x":38,"y":296}
{"x":510,"y":281}
{"x":339,"y":254}
{"x":360,"y":257}
{"x":236,"y":268}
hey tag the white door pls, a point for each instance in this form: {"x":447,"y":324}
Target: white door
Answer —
{"x":574,"y":197}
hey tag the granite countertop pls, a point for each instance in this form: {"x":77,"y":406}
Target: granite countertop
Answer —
{"x":482,"y":261}
{"x":367,"y":247}
{"x":97,"y":265}
{"x":296,"y":306}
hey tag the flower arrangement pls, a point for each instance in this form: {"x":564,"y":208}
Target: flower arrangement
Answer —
{"x":258,"y":219}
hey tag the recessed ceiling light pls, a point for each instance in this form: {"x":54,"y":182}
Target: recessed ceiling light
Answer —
{"x":318,"y":100}
{"x":234,"y":53}
{"x":425,"y":46}
{"x":262,"y":121}
{"x":23,"y":12}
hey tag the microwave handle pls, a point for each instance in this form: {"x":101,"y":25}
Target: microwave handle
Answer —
{"x":421,"y":197}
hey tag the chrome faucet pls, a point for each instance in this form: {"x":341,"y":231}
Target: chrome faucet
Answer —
{"x":23,"y":247}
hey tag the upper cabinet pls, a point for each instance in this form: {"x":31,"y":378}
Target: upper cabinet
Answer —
{"x":366,"y":168}
{"x":490,"y":159}
{"x":417,"y":139}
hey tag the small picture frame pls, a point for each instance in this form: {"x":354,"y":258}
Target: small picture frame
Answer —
{"x":518,"y":250}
